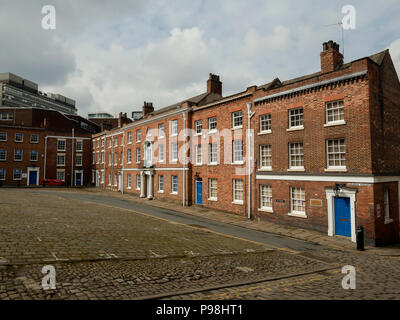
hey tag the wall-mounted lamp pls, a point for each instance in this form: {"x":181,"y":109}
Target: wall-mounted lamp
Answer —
{"x":337,"y":188}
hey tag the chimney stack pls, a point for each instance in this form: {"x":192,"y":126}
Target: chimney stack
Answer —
{"x":214,"y":85}
{"x":331,"y":58}
{"x":147,"y":108}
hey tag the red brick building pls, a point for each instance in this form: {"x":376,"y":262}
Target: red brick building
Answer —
{"x":41,"y":136}
{"x":318,"y":152}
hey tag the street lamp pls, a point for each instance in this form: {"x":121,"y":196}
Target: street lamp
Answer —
{"x":337,"y":188}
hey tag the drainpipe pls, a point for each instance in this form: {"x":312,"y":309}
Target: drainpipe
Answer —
{"x":249,"y":157}
{"x":184,"y":161}
{"x":45,"y":158}
{"x":72,"y":158}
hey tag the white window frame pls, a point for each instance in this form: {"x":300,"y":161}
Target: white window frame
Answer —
{"x":129,"y":181}
{"x":80,"y":144}
{"x":265,"y":193}
{"x":20,"y":174}
{"x":138,"y":155}
{"x":18,"y":134}
{"x":235,"y":184}
{"x":212,"y":154}
{"x":138,"y":181}
{"x":78,"y":163}
{"x":210,"y":122}
{"x":266,"y":156}
{"x":174,"y":151}
{"x":237,"y":150}
{"x":173,"y":185}
{"x":235,"y":117}
{"x":198,"y":155}
{"x":3,"y":177}
{"x":3,"y":134}
{"x":341,"y":154}
{"x":198,"y":126}
{"x":62,"y":156}
{"x":336,"y":108}
{"x":174,"y":128}
{"x":15,"y":153}
{"x":59,"y":171}
{"x":130,"y":137}
{"x":161,"y":183}
{"x":297,"y":213}
{"x":5,"y":154}
{"x":30,"y":155}
{"x":65,"y":144}
{"x":138,"y":135}
{"x":267,"y":122}
{"x":129,"y":156}
{"x":161,"y":131}
{"x":213,"y":187}
{"x":161,"y":153}
{"x":293,"y":156}
{"x":37,"y":138}
{"x":293,"y":113}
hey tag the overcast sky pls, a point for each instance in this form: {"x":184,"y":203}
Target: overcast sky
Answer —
{"x":110,"y":56}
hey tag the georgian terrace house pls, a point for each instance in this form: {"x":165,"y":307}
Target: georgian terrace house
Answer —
{"x":320,"y":151}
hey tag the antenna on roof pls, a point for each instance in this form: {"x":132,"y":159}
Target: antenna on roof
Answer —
{"x":340,"y":24}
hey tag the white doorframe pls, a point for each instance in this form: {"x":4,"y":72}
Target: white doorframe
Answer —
{"x":81,"y":172}
{"x":37,"y":169}
{"x":344,"y":193}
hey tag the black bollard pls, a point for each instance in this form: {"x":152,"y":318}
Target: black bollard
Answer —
{"x":360,"y":239}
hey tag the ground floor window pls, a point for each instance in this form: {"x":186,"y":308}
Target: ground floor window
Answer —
{"x":17,"y":174}
{"x":174,"y":184}
{"x":238,"y":191}
{"x":298,"y":201}
{"x":115,"y":179}
{"x":138,"y":181}
{"x":2,"y":174}
{"x":213,"y":188}
{"x":266,"y":197}
{"x":60,"y":175}
{"x":161,"y":183}
{"x":129,"y":181}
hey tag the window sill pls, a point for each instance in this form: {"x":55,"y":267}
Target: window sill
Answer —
{"x":237,"y":128}
{"x":17,"y":160}
{"x":268,"y":210}
{"x":160,"y":191}
{"x":344,"y":169}
{"x":129,"y":188}
{"x":238,"y":163}
{"x":213,"y":199}
{"x":264,"y":132}
{"x":296,"y":170}
{"x":297,"y":214}
{"x":174,"y":135}
{"x":265,"y":169}
{"x":198,"y":165}
{"x":174,"y":193}
{"x":212,"y":132}
{"x":295,"y":128}
{"x":333,"y":124}
{"x":238,"y":202}
{"x":388,"y":221}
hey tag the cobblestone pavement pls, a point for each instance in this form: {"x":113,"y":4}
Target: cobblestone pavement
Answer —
{"x":103,"y":252}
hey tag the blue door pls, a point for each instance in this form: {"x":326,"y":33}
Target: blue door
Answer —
{"x":32,"y":177}
{"x":78,"y":179}
{"x":342,"y":217}
{"x":199,"y":192}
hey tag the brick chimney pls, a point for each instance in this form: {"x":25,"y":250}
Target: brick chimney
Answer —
{"x":147,"y":108}
{"x":331,"y":58}
{"x":214,"y":85}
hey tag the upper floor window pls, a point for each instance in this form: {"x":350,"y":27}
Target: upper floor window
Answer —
{"x":161,"y":153}
{"x":174,"y":151}
{"x":34,"y":138}
{"x":336,"y":154}
{"x":265,"y":123}
{"x":129,"y":156}
{"x":237,"y":119}
{"x":79,"y":145}
{"x":138,"y":135}
{"x":19,"y":137}
{"x":79,"y":160}
{"x":237,"y":151}
{"x":212,"y":124}
{"x":265,"y":156}
{"x":17,"y":155}
{"x":198,"y":125}
{"x":138,"y":155}
{"x":212,"y":153}
{"x":335,"y":112}
{"x":61,"y":159}
{"x":296,"y":156}
{"x":61,"y":145}
{"x":34,"y":155}
{"x":161,"y":132}
{"x":198,"y":155}
{"x":6,"y":116}
{"x":129,"y":137}
{"x":102,"y":142}
{"x":116,"y":142}
{"x":296,"y":118}
{"x":174,"y":127}
{"x":3,"y":155}
{"x":3,"y":136}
